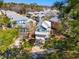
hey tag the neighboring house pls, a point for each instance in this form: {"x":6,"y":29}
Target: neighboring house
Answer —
{"x":20,"y":20}
{"x":42,"y":13}
{"x":55,"y":21}
{"x":56,"y":26}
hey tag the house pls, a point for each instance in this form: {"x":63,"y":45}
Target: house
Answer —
{"x":36,"y":13}
{"x":20,"y":20}
{"x":55,"y":21}
{"x":43,"y":31}
{"x":56,"y":25}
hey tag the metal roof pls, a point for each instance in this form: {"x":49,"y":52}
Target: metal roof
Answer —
{"x":46,"y":24}
{"x":54,"y":19}
{"x":15,"y":16}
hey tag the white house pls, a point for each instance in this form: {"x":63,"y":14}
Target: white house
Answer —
{"x":44,"y":30}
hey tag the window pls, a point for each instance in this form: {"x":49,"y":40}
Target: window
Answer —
{"x":42,"y":29}
{"x":22,"y":30}
{"x":21,"y":21}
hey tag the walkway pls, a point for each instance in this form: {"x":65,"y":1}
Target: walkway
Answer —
{"x":17,"y":42}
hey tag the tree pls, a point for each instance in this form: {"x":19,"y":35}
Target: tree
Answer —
{"x":59,"y":5}
{"x":1,"y":2}
{"x":71,"y":32}
{"x":4,"y":21}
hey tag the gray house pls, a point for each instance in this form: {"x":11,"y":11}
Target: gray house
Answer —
{"x":20,"y":20}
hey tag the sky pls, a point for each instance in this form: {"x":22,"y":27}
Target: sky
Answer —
{"x":39,"y":2}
